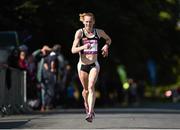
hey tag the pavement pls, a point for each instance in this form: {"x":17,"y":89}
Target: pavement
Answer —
{"x":159,"y":116}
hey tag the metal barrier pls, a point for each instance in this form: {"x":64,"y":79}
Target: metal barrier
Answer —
{"x":12,"y":90}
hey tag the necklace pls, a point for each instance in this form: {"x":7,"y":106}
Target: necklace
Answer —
{"x":89,"y":33}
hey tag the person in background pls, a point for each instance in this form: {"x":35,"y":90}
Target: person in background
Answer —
{"x":39,"y":56}
{"x":23,"y":57}
{"x":22,"y":61}
{"x":50,"y":70}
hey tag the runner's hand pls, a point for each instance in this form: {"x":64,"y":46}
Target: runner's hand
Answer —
{"x":105,"y":51}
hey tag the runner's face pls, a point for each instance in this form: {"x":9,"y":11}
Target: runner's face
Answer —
{"x":88,"y":22}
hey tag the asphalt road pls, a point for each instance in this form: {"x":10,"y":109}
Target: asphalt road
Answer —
{"x":110,"y":118}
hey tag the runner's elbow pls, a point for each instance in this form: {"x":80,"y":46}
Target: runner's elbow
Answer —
{"x":73,"y":51}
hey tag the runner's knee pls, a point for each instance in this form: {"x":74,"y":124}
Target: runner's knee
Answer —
{"x":85,"y":91}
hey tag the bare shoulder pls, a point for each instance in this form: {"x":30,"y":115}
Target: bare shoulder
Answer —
{"x":79,"y":30}
{"x":78,"y":33}
{"x":100,"y":32}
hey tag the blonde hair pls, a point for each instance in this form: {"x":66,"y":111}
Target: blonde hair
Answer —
{"x":81,"y":16}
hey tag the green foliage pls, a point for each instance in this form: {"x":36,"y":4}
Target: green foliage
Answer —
{"x":29,"y":6}
{"x":171,"y":1}
{"x":164,"y":15}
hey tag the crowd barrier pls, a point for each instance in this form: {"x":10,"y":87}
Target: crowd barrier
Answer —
{"x":12,"y":90}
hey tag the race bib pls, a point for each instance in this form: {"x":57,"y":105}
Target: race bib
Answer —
{"x":94,"y":47}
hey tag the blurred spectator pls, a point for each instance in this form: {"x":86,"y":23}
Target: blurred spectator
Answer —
{"x":32,"y":90}
{"x":63,"y":74}
{"x":24,"y":48}
{"x":32,"y":68}
{"x":26,"y":62}
{"x":141,"y":90}
{"x":39,"y":56}
{"x":152,"y":71}
{"x":133,"y":95}
{"x":49,"y":78}
{"x":22,"y":61}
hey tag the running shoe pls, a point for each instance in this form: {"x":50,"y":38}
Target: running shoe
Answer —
{"x":89,"y":118}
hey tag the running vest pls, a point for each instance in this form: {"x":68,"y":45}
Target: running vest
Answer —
{"x":93,"y":41}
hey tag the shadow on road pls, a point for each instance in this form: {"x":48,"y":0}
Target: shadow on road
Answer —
{"x":12,"y":124}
